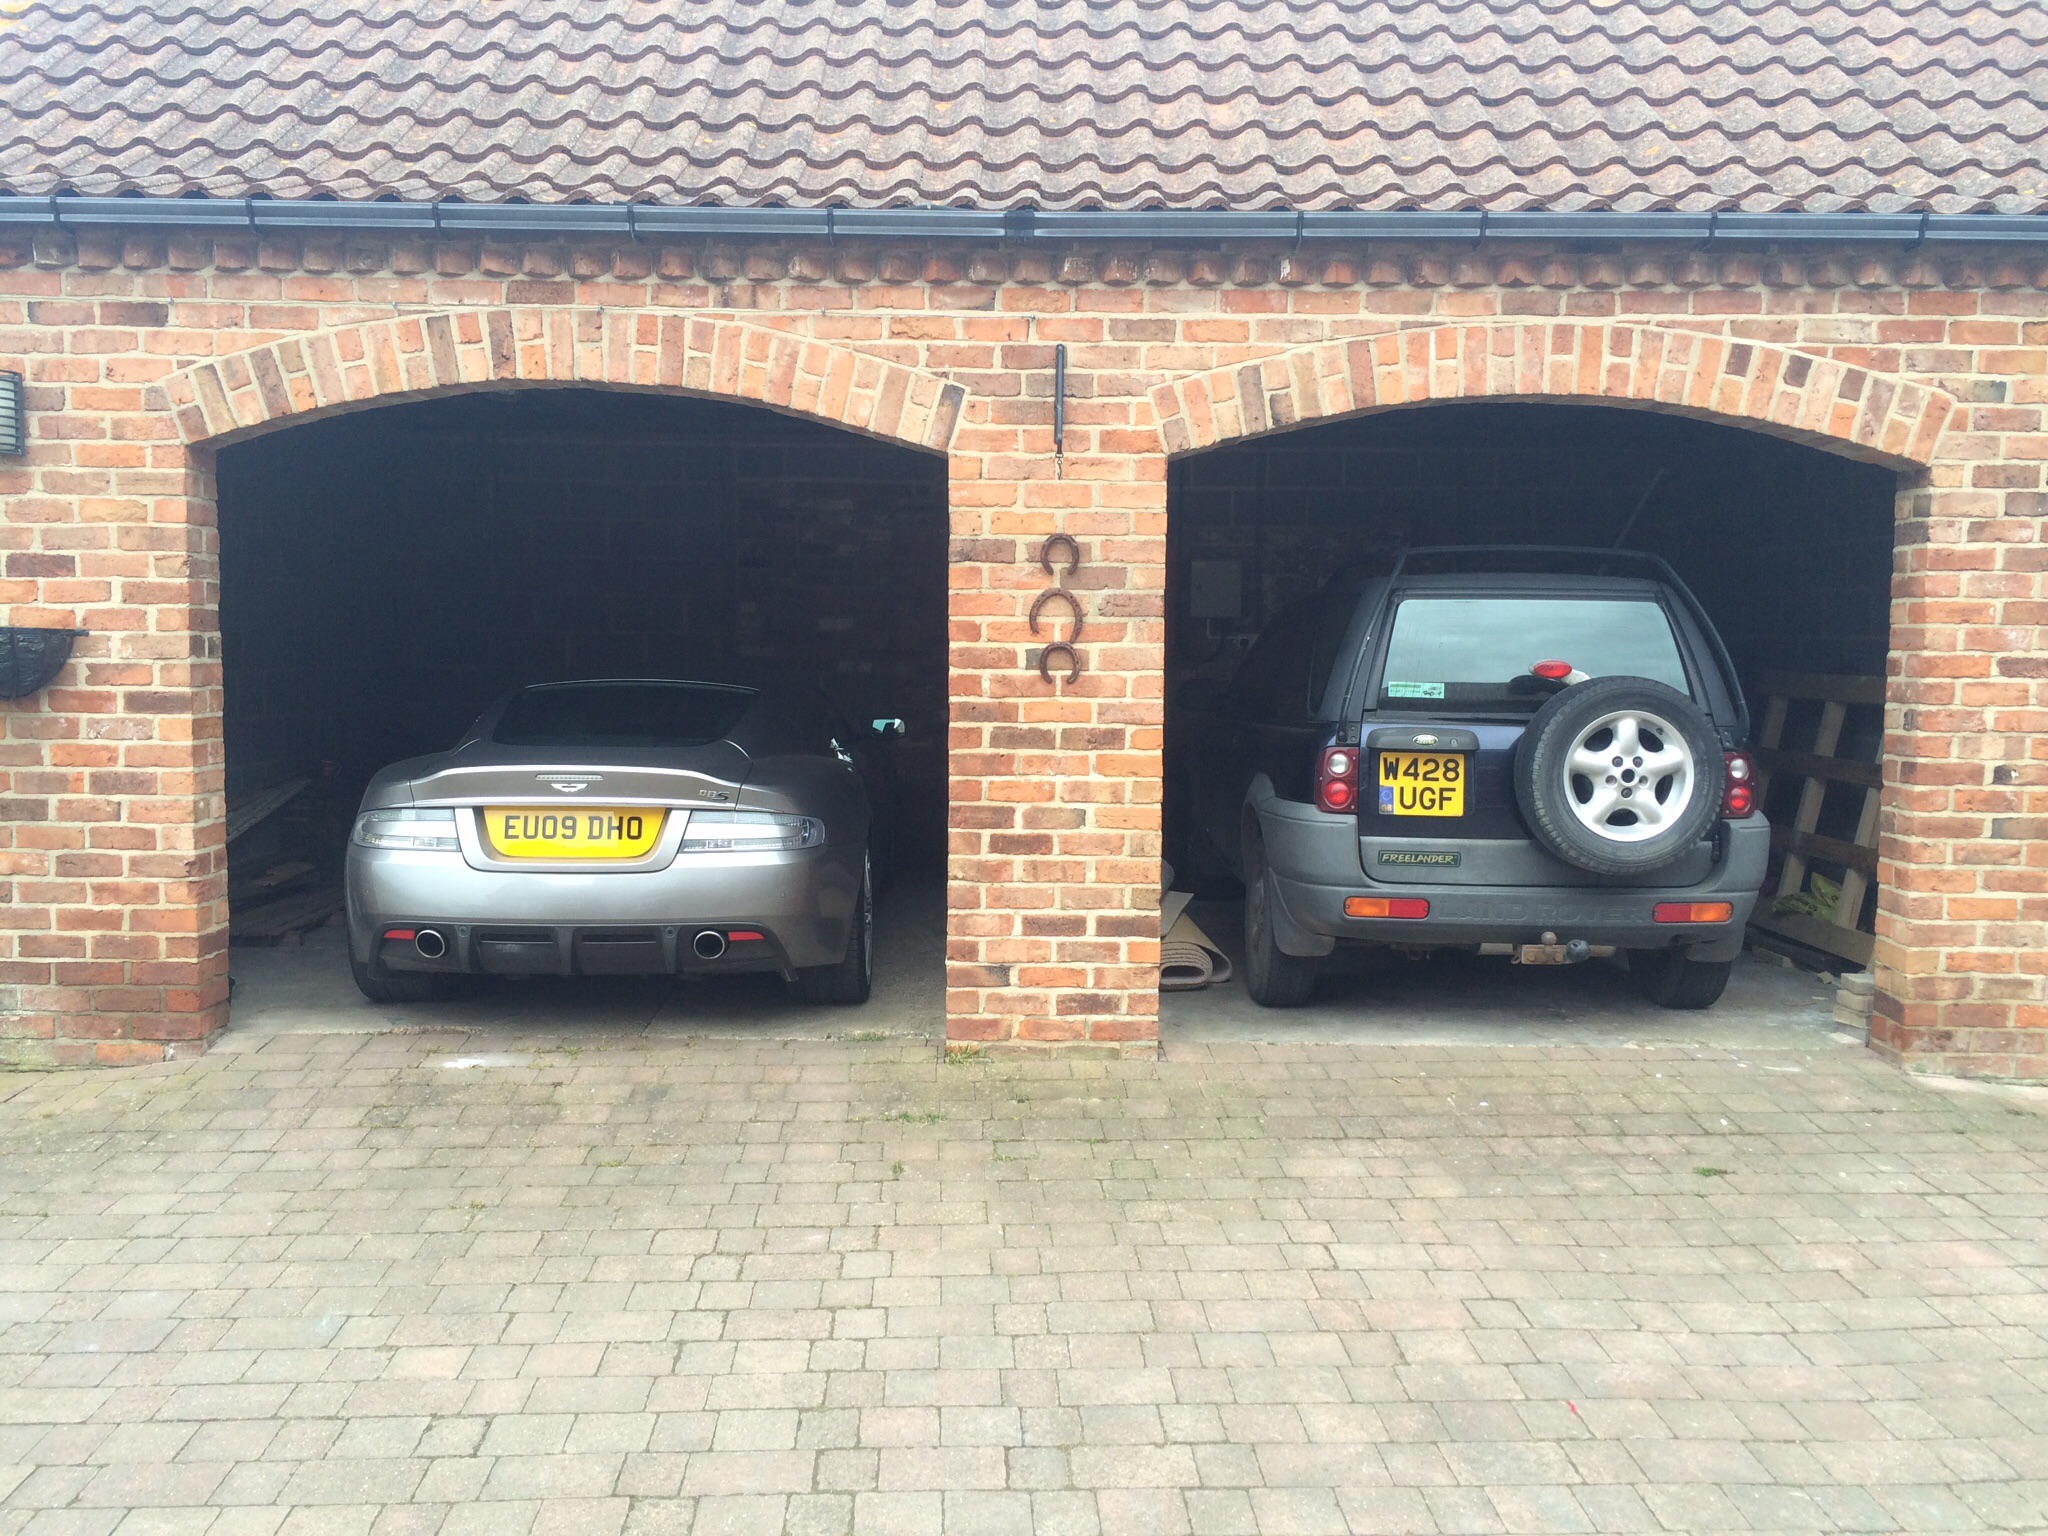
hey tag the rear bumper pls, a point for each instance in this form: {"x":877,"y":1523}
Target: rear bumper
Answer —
{"x":1315,"y":865}
{"x":606,"y":922}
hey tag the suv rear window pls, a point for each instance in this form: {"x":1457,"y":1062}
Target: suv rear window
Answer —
{"x":1475,"y":652}
{"x":621,"y":715}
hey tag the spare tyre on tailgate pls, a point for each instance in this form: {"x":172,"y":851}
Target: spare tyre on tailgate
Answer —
{"x":1619,"y":775}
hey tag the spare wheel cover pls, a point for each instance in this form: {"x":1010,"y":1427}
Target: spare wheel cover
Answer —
{"x":1619,"y":775}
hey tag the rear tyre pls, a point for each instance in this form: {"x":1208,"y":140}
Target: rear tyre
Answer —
{"x":1670,"y":980}
{"x":1274,"y":978}
{"x":382,"y":986}
{"x":848,"y":983}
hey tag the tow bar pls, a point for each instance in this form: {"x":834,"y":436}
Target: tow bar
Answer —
{"x":1550,"y":951}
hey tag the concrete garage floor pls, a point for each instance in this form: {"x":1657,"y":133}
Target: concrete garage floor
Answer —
{"x":1466,"y":1000}
{"x":1452,"y":1000}
{"x":299,"y":989}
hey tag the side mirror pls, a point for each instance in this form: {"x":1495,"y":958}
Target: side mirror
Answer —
{"x":888,"y":727}
{"x":1203,"y":694}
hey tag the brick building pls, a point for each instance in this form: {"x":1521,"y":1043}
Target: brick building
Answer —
{"x":1348,"y":245}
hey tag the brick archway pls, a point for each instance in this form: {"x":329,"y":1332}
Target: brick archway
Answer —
{"x":381,"y":362}
{"x":1774,"y":389}
{"x":309,"y":376}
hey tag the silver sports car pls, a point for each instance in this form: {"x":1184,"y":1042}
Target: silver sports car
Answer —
{"x":616,"y":828}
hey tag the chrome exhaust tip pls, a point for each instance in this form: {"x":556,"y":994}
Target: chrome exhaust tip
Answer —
{"x":430,"y":944}
{"x":709,"y":944}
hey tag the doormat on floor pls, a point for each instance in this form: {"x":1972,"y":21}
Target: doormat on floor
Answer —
{"x":1188,"y":958}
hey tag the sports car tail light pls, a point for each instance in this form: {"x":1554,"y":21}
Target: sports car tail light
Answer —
{"x":1738,"y":799}
{"x":1385,"y":906}
{"x":744,"y":936}
{"x":1692,"y":911}
{"x":750,"y":832}
{"x":431,"y":829}
{"x":1337,"y":779}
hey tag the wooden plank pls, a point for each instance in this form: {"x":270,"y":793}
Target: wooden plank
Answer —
{"x":1836,"y":770}
{"x":1826,"y":734}
{"x":1850,"y":908}
{"x":1772,"y":735}
{"x":1804,"y":845}
{"x":1848,"y":943}
{"x":275,"y":919}
{"x":1828,"y":688}
{"x":247,"y":813}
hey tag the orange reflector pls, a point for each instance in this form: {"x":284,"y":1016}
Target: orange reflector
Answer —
{"x":401,"y":933}
{"x":1693,"y":911}
{"x":1385,"y":906}
{"x":742,"y":936}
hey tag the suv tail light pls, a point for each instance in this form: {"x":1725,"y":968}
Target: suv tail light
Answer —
{"x":1738,"y":798}
{"x":1337,"y":780}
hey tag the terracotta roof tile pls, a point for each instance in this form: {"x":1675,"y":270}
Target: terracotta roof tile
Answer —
{"x":1821,"y":105}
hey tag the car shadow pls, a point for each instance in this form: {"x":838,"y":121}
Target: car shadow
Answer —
{"x":1458,"y":997}
{"x":306,"y":988}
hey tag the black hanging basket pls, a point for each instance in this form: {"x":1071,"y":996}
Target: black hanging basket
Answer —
{"x":29,"y":658}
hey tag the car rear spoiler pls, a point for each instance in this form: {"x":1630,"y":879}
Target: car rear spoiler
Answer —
{"x":1591,"y":562}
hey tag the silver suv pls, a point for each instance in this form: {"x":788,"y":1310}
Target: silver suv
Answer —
{"x":1537,"y":753}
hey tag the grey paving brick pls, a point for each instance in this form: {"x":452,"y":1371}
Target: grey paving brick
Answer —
{"x":673,"y":1283}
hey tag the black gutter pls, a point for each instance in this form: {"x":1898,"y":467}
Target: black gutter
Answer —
{"x":634,"y":220}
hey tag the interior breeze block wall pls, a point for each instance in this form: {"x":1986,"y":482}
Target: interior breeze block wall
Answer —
{"x":385,"y":575}
{"x":1788,"y":547}
{"x":148,"y":351}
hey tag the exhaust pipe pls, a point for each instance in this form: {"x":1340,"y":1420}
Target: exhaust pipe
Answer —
{"x":709,"y":944}
{"x":430,"y":944}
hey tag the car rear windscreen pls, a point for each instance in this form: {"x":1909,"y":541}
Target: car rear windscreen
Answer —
{"x":1476,"y":652}
{"x":622,"y":715}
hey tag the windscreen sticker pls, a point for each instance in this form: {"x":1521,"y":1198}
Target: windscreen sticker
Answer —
{"x":1415,"y":690}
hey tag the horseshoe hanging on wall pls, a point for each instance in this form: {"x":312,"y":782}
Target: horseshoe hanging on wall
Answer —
{"x":1038,"y":606}
{"x":1063,"y":648}
{"x":1073,"y":661}
{"x":1073,"y":555}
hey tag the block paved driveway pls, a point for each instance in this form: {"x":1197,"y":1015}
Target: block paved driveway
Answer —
{"x":512,"y":1283}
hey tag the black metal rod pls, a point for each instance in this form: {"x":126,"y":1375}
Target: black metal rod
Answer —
{"x":1059,"y":400}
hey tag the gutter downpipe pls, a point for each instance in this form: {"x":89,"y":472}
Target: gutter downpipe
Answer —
{"x":639,"y":221}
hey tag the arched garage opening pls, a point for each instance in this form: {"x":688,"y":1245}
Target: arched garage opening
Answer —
{"x":1788,"y":546}
{"x":387,"y":574}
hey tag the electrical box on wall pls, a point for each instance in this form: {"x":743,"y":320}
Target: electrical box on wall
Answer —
{"x":1215,"y":589}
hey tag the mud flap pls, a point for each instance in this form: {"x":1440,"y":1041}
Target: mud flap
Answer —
{"x":1292,"y":938}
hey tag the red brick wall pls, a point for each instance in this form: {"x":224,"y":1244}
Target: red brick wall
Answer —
{"x":145,"y":353}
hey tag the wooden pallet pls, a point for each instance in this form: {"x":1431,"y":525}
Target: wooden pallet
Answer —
{"x":259,"y":807}
{"x":275,"y":921}
{"x":1799,"y":842}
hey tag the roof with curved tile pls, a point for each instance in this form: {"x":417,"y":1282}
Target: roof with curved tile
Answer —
{"x":1694,"y":105}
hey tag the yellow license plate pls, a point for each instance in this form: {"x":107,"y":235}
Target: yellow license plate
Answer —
{"x":1422,"y":784}
{"x":555,"y":832}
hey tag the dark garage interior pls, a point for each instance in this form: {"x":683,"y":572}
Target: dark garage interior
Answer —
{"x":385,"y":575}
{"x":1788,"y":547}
